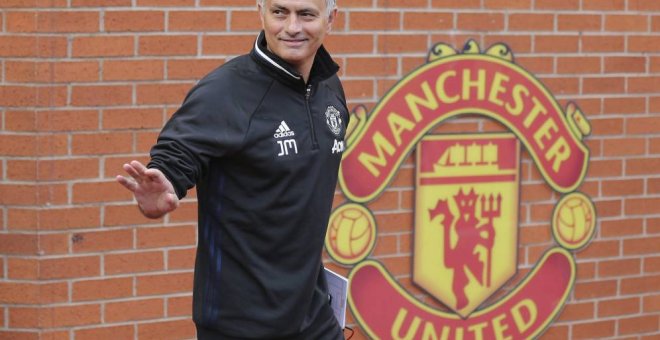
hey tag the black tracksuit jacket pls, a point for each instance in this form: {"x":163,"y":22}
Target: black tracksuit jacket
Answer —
{"x":263,"y":148}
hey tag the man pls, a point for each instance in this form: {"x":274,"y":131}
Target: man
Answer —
{"x":262,"y":138}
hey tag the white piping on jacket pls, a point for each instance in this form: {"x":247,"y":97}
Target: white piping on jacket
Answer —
{"x":263,"y":55}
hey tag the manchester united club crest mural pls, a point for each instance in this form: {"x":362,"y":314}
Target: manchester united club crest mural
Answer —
{"x":465,"y":237}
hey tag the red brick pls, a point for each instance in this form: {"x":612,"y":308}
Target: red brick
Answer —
{"x":427,"y":21}
{"x":639,"y":285}
{"x":579,"y":22}
{"x":52,"y":22}
{"x":103,"y":289}
{"x":623,"y":187}
{"x":137,"y":262}
{"x":401,"y":43}
{"x":227,"y":45}
{"x":480,"y":21}
{"x":385,"y":21}
{"x":242,"y":21}
{"x":135,"y":118}
{"x":645,"y":245}
{"x":643,"y":5}
{"x":117,"y":70}
{"x":350,"y":43}
{"x":596,"y":289}
{"x":103,"y":46}
{"x":623,"y":105}
{"x":20,"y":317}
{"x":531,"y":22}
{"x":643,"y":84}
{"x":577,"y":311}
{"x":605,"y":168}
{"x":133,"y":310}
{"x":53,"y":219}
{"x":134,"y":21}
{"x":602,"y":43}
{"x":108,"y":333}
{"x":52,"y":121}
{"x":169,"y":3}
{"x":624,"y":147}
{"x":101,"y":95}
{"x":204,"y":21}
{"x":639,"y":324}
{"x":643,"y":44}
{"x":19,"y":244}
{"x":103,"y":143}
{"x":162,"y":93}
{"x":32,"y":3}
{"x":578,"y":65}
{"x":614,"y":85}
{"x":643,"y":125}
{"x":626,"y":23}
{"x":117,"y":215}
{"x":456,"y":4}
{"x":626,"y":227}
{"x":46,"y":72}
{"x":652,"y":264}
{"x":144,"y":142}
{"x":19,"y":293}
{"x":177,"y":329}
{"x":69,"y":267}
{"x":594,"y":330}
{"x":32,"y":46}
{"x":371,"y":66}
{"x":618,"y":307}
{"x":599,"y":5}
{"x":536,"y":65}
{"x":642,"y":206}
{"x":167,"y":45}
{"x":609,"y":126}
{"x":96,"y":241}
{"x":157,"y":237}
{"x":22,"y":268}
{"x":179,"y":306}
{"x":191,"y":69}
{"x":181,"y":258}
{"x":618,"y":268}
{"x":559,"y":86}
{"x":31,"y":96}
{"x":164,"y":284}
{"x":651,"y":303}
{"x":18,"y":194}
{"x":54,"y":244}
{"x":67,"y":316}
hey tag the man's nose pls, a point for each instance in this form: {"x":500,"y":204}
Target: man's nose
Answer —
{"x":293,"y":25}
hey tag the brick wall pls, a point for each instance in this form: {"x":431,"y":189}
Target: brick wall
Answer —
{"x":85,"y":85}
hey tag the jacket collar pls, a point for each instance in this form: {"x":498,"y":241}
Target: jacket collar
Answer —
{"x":324,"y":67}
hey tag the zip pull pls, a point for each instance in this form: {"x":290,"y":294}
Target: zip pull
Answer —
{"x":308,"y":93}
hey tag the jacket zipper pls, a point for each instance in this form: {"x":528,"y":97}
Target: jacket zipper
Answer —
{"x":315,"y":144}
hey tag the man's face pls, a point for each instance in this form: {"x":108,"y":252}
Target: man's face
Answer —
{"x":295,"y":29}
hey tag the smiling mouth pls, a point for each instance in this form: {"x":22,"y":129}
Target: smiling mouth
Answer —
{"x":293,"y":42}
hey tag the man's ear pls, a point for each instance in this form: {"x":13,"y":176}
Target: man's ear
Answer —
{"x":332,"y":17}
{"x":260,"y":10}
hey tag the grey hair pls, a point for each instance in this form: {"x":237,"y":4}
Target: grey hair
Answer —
{"x":329,"y":5}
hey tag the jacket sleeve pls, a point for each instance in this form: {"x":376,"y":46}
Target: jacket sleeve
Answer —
{"x":204,"y":127}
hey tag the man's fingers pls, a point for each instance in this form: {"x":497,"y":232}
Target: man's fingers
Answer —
{"x":131,"y":171}
{"x":128,"y":184}
{"x":138,"y":167}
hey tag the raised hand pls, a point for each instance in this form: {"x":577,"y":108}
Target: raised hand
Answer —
{"x":154,"y":193}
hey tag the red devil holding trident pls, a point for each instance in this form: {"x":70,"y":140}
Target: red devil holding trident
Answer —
{"x":464,"y":256}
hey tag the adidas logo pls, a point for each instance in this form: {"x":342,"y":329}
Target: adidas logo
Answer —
{"x":283,"y":131}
